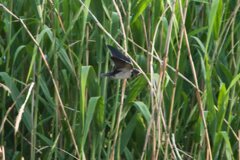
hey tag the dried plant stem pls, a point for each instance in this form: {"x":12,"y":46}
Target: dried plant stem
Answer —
{"x":209,"y":152}
{"x":157,"y":112}
{"x":176,"y":76}
{"x":123,"y":86}
{"x":162,"y":76}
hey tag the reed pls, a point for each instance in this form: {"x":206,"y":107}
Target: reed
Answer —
{"x":184,"y":105}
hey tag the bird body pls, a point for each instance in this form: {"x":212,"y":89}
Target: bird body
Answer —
{"x":123,"y":67}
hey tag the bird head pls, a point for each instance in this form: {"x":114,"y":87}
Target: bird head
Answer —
{"x":135,"y":72}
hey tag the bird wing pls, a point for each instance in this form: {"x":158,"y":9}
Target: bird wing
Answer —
{"x":120,"y":64}
{"x":116,"y":54}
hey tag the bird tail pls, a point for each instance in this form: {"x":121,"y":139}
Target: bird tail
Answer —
{"x":105,"y":74}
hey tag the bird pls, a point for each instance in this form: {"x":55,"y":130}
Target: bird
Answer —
{"x":123,"y":67}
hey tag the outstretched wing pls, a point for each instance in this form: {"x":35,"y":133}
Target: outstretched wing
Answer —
{"x":118,"y":55}
{"x":120,"y":64}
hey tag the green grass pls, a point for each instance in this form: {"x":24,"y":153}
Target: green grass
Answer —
{"x":184,"y":105}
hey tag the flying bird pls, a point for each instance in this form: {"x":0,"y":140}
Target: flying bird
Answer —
{"x":123,"y":67}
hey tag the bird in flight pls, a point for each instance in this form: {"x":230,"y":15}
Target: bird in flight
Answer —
{"x":123,"y":67}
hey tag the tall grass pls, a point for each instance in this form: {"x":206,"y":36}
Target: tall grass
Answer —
{"x":184,"y":105}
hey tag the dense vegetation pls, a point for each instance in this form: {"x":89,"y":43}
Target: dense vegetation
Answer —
{"x":184,"y":105}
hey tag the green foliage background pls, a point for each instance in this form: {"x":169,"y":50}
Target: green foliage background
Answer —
{"x":184,"y":105}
